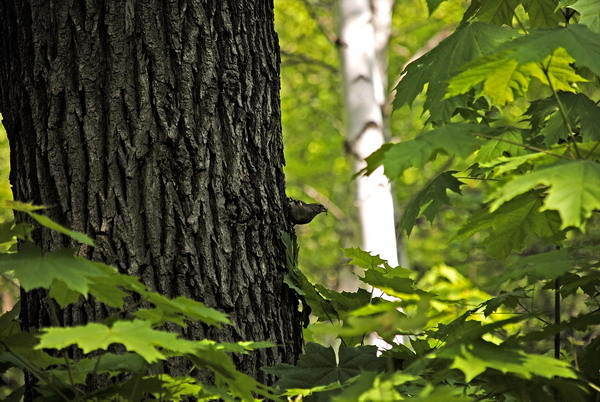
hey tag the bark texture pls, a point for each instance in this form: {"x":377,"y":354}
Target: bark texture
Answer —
{"x":154,"y":127}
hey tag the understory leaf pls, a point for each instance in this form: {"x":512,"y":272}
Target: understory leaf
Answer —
{"x":429,"y":200}
{"x":474,"y":358}
{"x":318,"y":366}
{"x":35,"y":270}
{"x":513,"y":224}
{"x":137,"y":336}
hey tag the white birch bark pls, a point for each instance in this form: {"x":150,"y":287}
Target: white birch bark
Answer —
{"x":365,"y":27}
{"x":365,"y":30}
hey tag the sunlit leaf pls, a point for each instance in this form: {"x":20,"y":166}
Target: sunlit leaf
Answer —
{"x":573,"y":190}
{"x":497,"y":12}
{"x":34,"y":270}
{"x":466,"y":44}
{"x":504,"y":78}
{"x":452,"y":139}
{"x":590,"y":13}
{"x":578,"y":40}
{"x":28,"y":208}
{"x":137,"y":336}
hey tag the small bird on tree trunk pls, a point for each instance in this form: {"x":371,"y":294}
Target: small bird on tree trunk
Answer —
{"x":301,"y":213}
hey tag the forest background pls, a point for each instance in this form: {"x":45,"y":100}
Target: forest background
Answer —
{"x":454,"y":260}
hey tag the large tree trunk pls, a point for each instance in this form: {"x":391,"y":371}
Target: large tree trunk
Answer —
{"x":154,"y":126}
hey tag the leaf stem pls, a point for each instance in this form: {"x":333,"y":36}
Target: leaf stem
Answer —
{"x":519,"y":22}
{"x":530,"y":147}
{"x":592,"y":150}
{"x":135,"y":386}
{"x":53,"y":313}
{"x":36,"y":372}
{"x":475,"y":178}
{"x":70,"y":373}
{"x":561,"y":109}
{"x":532,"y":314}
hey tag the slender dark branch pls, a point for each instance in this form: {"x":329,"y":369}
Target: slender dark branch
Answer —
{"x":297,"y":58}
{"x":36,"y":372}
{"x":592,"y":150}
{"x":530,"y":147}
{"x":557,"y":317}
{"x":519,"y":21}
{"x":475,"y":178}
{"x":561,"y":109}
{"x":331,"y":37}
{"x":531,"y":314}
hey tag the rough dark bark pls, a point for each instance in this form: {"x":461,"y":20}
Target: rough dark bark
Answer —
{"x":154,"y":127}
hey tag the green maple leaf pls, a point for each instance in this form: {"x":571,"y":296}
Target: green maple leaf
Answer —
{"x":498,"y":12}
{"x":504,"y":164}
{"x":573,"y":190}
{"x":590,"y":13}
{"x":578,"y":40}
{"x":494,"y":149}
{"x":362,"y":258}
{"x":318,"y":366}
{"x":467,"y":43}
{"x":429,"y":200}
{"x":180,"y":309}
{"x":28,"y":208}
{"x":509,"y":299}
{"x":452,"y":139}
{"x":474,"y":358}
{"x":582,"y":112}
{"x":388,"y":282}
{"x":137,"y":336}
{"x":544,"y":266}
{"x":513,"y":224}
{"x":542,"y":13}
{"x":432,"y":5}
{"x":504,"y":78}
{"x":34,"y":270}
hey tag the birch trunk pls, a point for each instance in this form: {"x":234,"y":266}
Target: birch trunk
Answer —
{"x":365,"y":27}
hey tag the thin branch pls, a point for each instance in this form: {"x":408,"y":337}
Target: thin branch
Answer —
{"x":37,"y":372}
{"x":561,"y":109}
{"x":531,"y":314}
{"x":519,"y":21}
{"x":331,"y":37}
{"x":530,"y":147}
{"x":475,"y":178}
{"x":322,"y":199}
{"x":557,"y":317}
{"x":592,"y":150}
{"x":297,"y":58}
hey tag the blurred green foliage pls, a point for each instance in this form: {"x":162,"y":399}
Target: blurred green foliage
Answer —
{"x":317,"y":166}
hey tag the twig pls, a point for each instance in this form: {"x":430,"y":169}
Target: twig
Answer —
{"x":561,"y":109}
{"x":302,"y":58}
{"x":322,"y":199}
{"x":530,"y":147}
{"x":331,"y":37}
